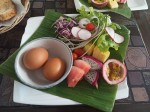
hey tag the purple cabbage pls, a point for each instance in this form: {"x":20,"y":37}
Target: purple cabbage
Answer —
{"x":64,"y":26}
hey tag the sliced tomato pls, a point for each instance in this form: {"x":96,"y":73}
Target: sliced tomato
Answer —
{"x":79,"y":51}
{"x":114,"y":71}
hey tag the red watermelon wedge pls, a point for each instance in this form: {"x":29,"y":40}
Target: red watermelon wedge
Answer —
{"x":75,"y":75}
{"x":83,"y":65}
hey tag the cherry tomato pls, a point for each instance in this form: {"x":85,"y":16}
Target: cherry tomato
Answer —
{"x":74,"y":56}
{"x":90,"y":26}
{"x":79,"y":51}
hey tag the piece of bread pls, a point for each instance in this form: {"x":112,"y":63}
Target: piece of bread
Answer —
{"x":7,"y":10}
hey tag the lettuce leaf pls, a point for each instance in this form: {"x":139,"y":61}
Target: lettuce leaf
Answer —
{"x":105,"y":42}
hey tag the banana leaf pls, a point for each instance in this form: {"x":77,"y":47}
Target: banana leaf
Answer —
{"x":123,"y":9}
{"x":102,"y":98}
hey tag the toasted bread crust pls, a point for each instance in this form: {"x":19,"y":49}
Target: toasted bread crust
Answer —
{"x":7,"y":10}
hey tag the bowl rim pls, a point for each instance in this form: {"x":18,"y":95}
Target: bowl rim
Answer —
{"x":53,"y":83}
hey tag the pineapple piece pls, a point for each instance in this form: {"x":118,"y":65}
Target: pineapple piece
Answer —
{"x":89,"y":48}
{"x":101,"y":56}
{"x":113,"y":4}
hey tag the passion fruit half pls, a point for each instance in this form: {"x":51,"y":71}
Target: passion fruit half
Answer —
{"x":99,"y":3}
{"x":114,"y":71}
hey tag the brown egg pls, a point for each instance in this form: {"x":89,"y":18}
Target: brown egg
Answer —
{"x":54,"y":69}
{"x":35,"y":58}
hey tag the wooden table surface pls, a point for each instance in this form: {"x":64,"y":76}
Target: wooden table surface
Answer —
{"x":137,"y":61}
{"x":143,"y":21}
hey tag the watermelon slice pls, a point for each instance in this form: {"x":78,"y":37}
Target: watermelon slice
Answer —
{"x":75,"y":75}
{"x":83,"y":65}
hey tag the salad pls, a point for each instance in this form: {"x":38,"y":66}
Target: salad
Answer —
{"x":92,"y":36}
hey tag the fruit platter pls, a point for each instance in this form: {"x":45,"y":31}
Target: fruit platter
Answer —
{"x":98,"y":48}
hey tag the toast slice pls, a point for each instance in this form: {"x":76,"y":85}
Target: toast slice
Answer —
{"x":7,"y":10}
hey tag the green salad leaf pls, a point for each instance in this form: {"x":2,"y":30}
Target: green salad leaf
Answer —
{"x":123,"y":9}
{"x":115,"y":26}
{"x":105,"y":42}
{"x":85,"y":14}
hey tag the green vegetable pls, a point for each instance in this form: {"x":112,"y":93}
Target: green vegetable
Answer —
{"x":123,"y":9}
{"x":105,"y":42}
{"x":115,"y":26}
{"x":84,"y":14}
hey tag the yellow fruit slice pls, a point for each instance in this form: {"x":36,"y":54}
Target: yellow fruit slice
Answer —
{"x":113,"y":4}
{"x":101,"y":56}
{"x":89,"y":48}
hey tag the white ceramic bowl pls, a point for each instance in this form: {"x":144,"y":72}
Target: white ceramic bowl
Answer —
{"x":35,"y":78}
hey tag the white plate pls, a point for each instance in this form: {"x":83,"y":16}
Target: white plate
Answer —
{"x":133,"y":4}
{"x":27,"y":95}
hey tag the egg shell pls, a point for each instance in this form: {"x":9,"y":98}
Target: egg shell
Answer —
{"x":35,"y":58}
{"x":54,"y":69}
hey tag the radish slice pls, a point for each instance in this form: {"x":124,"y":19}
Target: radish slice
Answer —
{"x":110,"y":32}
{"x":75,"y":31}
{"x":118,"y":38}
{"x":84,"y":34}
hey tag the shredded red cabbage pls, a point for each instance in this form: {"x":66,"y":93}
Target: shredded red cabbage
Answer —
{"x":64,"y":26}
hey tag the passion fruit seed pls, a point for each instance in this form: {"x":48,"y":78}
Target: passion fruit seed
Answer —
{"x":114,"y":71}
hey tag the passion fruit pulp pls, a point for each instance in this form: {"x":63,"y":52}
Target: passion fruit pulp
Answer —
{"x":114,"y":71}
{"x":99,"y":3}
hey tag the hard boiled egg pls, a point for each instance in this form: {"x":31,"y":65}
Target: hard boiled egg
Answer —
{"x":54,"y":69}
{"x":35,"y":58}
